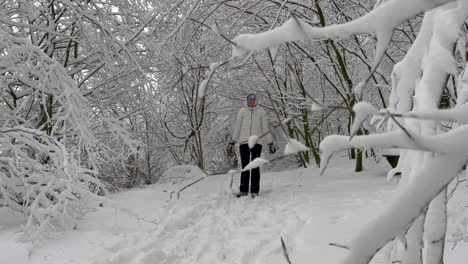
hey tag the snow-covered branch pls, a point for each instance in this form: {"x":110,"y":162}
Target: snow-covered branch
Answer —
{"x":364,"y":111}
{"x":447,"y":143}
{"x":441,"y":158}
{"x":381,"y":21}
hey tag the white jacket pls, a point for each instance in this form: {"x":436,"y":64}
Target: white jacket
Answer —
{"x":250,"y":122}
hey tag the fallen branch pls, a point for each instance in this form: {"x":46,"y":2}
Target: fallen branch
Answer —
{"x":183,"y":188}
{"x":179,"y":191}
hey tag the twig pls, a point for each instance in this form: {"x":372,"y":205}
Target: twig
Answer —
{"x":147,"y":221}
{"x":224,"y":37}
{"x":338,"y":245}
{"x":285,"y":251}
{"x":452,"y":192}
{"x":278,"y":14}
{"x":405,"y":130}
{"x":186,"y":186}
{"x":232,"y":181}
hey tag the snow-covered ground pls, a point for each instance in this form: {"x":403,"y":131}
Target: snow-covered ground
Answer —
{"x":206,"y":225}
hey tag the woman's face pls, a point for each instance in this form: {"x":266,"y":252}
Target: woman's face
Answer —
{"x":252,"y":101}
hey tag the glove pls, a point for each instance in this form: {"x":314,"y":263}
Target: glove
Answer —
{"x":272,"y":148}
{"x":230,"y":148}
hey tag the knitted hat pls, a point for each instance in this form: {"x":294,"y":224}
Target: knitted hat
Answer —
{"x":251,"y":99}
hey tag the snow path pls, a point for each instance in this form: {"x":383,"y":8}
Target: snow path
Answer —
{"x":208,"y":226}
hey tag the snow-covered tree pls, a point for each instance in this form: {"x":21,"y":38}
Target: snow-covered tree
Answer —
{"x":74,"y":76}
{"x":45,"y":129}
{"x":103,"y":48}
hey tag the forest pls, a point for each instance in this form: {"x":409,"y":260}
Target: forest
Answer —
{"x":100,"y":97}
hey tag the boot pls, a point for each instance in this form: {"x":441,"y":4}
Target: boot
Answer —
{"x":241,"y":194}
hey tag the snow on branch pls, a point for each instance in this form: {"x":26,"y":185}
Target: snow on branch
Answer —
{"x":365,"y":111}
{"x":257,"y":162}
{"x":293,"y":147}
{"x":252,"y":141}
{"x":451,"y":142}
{"x":381,"y":21}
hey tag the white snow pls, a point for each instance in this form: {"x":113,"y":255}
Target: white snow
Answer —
{"x":358,"y":89}
{"x":363,"y":111}
{"x":315,"y":107}
{"x":293,"y":146}
{"x":208,"y":226}
{"x":274,"y":51}
{"x":229,"y":183}
{"x":287,"y":120}
{"x":257,"y":162}
{"x":202,"y":88}
{"x":216,"y":29}
{"x":252,"y":141}
{"x":214,"y":66}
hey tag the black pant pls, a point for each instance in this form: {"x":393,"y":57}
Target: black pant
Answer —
{"x":253,"y":175}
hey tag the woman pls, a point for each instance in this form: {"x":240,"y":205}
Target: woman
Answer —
{"x":251,"y":121}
